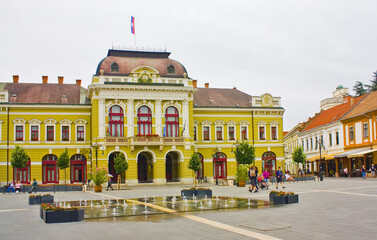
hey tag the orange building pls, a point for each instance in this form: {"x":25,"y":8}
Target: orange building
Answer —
{"x":360,"y":135}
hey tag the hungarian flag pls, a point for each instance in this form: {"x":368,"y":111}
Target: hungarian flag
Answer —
{"x":132,"y":25}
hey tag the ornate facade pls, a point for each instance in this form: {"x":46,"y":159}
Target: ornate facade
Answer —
{"x":145,"y":106}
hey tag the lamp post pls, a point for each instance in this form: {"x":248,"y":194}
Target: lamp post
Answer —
{"x":320,"y":157}
{"x":95,"y":146}
{"x":215,"y":163}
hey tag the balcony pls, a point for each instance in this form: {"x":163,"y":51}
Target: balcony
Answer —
{"x":144,"y":141}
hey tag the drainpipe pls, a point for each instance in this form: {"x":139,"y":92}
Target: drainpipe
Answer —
{"x":8,"y":146}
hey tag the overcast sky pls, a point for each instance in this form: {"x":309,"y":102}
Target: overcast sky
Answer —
{"x":299,"y":50}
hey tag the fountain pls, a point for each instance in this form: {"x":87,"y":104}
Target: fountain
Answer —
{"x":201,"y":205}
{"x":80,"y":202}
{"x":163,"y":199}
{"x":209,"y":203}
{"x":134,"y":206}
{"x":105,"y":208}
{"x":248,"y":202}
{"x":154,"y":199}
{"x":232,"y":200}
{"x":146,"y":210}
{"x":125,"y":204}
{"x":114,"y":211}
{"x":226,"y":203}
{"x":145,"y":198}
{"x":186,"y":203}
{"x":85,"y":202}
{"x":103,"y":200}
{"x":98,"y":205}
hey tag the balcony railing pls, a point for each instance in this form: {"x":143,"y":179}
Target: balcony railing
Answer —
{"x":144,"y":141}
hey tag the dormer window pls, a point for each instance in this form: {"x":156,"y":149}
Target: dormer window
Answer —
{"x":114,"y":67}
{"x":171,"y":69}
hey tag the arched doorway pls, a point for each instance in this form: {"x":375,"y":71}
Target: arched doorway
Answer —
{"x":22,"y":174}
{"x":112,"y":168}
{"x":78,"y":168}
{"x":200,"y":174}
{"x":172,"y":167}
{"x":50,"y":173}
{"x":269,"y":162}
{"x":219,"y":165}
{"x":145,"y":167}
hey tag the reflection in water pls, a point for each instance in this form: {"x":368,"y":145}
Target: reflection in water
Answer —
{"x":145,"y":208}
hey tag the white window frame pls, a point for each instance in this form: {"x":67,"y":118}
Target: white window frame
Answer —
{"x":209,"y":132}
{"x":19,"y":122}
{"x":277,"y":132}
{"x":81,"y":123}
{"x":262,"y":124}
{"x":244,"y":124}
{"x":33,"y":123}
{"x":65,"y":123}
{"x":221,"y":124}
{"x":48,"y":123}
{"x":195,"y":129}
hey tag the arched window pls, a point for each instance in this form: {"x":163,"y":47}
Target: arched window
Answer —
{"x":114,"y":67}
{"x":115,"y":121}
{"x":171,"y":69}
{"x":144,"y":121}
{"x":50,"y":173}
{"x":269,"y":162}
{"x":171,"y":122}
{"x":219,"y":165}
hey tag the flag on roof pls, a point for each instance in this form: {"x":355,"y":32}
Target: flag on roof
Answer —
{"x":132,"y":25}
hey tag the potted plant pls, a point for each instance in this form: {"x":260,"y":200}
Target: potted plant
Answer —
{"x":37,"y":199}
{"x":55,"y":214}
{"x":241,"y":175}
{"x":99,"y":176}
{"x":292,"y":198}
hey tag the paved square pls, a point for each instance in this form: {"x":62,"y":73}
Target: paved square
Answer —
{"x":333,"y":209}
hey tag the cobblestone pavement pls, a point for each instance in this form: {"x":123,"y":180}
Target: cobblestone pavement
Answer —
{"x":333,"y":209}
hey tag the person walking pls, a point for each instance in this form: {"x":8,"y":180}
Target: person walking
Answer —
{"x":266,"y":175}
{"x":363,"y":172}
{"x":279,"y":176}
{"x":253,"y":179}
{"x":34,"y":186}
{"x":109,"y":185}
{"x":345,"y":172}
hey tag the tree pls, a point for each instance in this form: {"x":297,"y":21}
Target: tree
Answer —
{"x":63,"y":163}
{"x":245,"y":153}
{"x":120,"y":165}
{"x":373,"y":86}
{"x":195,"y":165}
{"x":298,"y":155}
{"x":359,"y":89}
{"x":19,"y":159}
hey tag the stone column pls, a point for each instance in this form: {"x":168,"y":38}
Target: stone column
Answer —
{"x":130,"y":118}
{"x":185,"y":117}
{"x":101,"y":118}
{"x":158,"y":117}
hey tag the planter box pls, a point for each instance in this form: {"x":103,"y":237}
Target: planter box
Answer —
{"x":292,"y":199}
{"x":188,"y":193}
{"x":275,"y":199}
{"x":41,"y":199}
{"x":241,"y":183}
{"x":204,"y":192}
{"x":62,"y":216}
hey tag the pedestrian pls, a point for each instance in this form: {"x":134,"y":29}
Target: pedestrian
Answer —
{"x":109,"y":185}
{"x":10,"y":186}
{"x":34,"y":186}
{"x":289,"y":177}
{"x":301,"y":172}
{"x":373,"y":170}
{"x":363,"y":172}
{"x":279,"y":176}
{"x":253,"y":179}
{"x":256,"y":174}
{"x":266,"y":175}
{"x":345,"y":172}
{"x":18,"y":186}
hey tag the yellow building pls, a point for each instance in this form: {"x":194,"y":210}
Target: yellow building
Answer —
{"x":142,"y":105}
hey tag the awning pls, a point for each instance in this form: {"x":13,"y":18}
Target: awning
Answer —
{"x":312,"y":159}
{"x":361,"y":154}
{"x":330,"y":156}
{"x":348,"y":153}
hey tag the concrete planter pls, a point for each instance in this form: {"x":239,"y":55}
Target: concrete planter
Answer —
{"x":292,"y":199}
{"x":188,"y":193}
{"x":41,"y":199}
{"x":202,"y":192}
{"x":62,"y":216}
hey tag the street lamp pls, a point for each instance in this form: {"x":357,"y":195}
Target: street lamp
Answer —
{"x":96,"y":146}
{"x":320,"y":143}
{"x":216,"y":150}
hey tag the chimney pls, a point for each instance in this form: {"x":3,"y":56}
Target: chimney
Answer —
{"x":206,"y":85}
{"x":15,"y":78}
{"x":60,"y":79}
{"x":78,"y":82}
{"x":352,"y":101}
{"x":44,"y":79}
{"x":234,"y":88}
{"x":195,"y":83}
